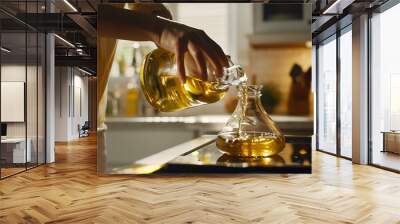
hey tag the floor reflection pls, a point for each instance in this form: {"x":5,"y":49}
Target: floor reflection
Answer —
{"x":275,"y":160}
{"x":301,"y":154}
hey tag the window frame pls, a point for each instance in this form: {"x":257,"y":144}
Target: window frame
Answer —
{"x":27,"y":29}
{"x":332,"y":33}
{"x":371,"y":13}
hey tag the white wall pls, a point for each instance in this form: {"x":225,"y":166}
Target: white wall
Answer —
{"x":80,"y":96}
{"x":212,"y":18}
{"x":12,"y":73}
{"x":70,"y":83}
{"x":228,"y":24}
{"x":62,"y":81}
{"x":240,"y":27}
{"x":33,"y":126}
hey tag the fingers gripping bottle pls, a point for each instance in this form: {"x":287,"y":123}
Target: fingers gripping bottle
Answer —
{"x":165,"y":91}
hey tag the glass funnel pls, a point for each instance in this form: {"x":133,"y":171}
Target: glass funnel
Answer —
{"x":250,"y":131}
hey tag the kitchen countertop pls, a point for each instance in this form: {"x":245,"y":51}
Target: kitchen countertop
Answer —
{"x":209,"y":122}
{"x":201,"y":119}
{"x":128,"y":137}
{"x":200,"y":155}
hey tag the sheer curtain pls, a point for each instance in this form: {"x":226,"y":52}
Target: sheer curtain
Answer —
{"x":327,"y":96}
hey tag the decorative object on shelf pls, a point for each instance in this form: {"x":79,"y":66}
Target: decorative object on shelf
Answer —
{"x":300,"y":90}
{"x":122,"y":65}
{"x":113,"y":104}
{"x":271,"y":96}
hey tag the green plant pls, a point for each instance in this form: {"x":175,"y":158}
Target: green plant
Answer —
{"x":271,"y":96}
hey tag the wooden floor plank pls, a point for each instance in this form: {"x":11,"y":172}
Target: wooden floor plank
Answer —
{"x":70,"y":191}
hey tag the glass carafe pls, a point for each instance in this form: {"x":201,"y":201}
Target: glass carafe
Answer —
{"x":165,"y":91}
{"x":250,"y":132}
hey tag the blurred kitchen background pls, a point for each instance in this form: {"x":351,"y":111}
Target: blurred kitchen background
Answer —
{"x":271,"y":41}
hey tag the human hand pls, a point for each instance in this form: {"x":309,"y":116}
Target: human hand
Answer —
{"x":192,"y":47}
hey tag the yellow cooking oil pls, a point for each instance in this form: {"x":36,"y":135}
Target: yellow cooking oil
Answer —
{"x":256,"y":144}
{"x":245,"y":143}
{"x":165,"y":91}
{"x":131,"y":105}
{"x":243,"y":101}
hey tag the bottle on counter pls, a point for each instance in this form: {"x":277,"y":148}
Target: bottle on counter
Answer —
{"x":132,"y":99}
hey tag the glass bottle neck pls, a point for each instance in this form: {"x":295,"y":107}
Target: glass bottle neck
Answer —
{"x":253,"y":91}
{"x":233,"y":75}
{"x":249,"y":96}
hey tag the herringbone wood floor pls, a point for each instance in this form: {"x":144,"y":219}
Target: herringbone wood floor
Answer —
{"x":69,"y":191}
